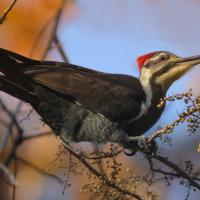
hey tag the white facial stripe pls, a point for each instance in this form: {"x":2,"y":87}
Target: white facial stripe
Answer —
{"x":144,"y":79}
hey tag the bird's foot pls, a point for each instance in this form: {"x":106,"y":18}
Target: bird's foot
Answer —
{"x":131,"y":146}
{"x":148,"y":148}
{"x":140,"y":143}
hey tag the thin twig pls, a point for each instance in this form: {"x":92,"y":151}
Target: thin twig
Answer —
{"x":60,"y":48}
{"x":66,"y":182}
{"x":180,"y":171}
{"x":15,"y":174}
{"x":38,"y":169}
{"x":12,"y":123}
{"x":37,"y":135}
{"x":102,"y":177}
{"x":106,"y":155}
{"x":10,"y":176}
{"x":45,"y":26}
{"x":172,"y":174}
{"x":6,"y":12}
{"x":191,"y":111}
{"x":12,"y":116}
{"x":54,"y":29}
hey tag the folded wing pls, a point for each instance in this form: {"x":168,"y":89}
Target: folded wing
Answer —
{"x":111,"y":95}
{"x":117,"y":97}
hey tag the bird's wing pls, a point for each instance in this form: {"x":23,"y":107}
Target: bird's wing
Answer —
{"x":117,"y":97}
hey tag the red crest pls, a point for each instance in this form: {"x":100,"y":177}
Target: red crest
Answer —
{"x":141,"y":60}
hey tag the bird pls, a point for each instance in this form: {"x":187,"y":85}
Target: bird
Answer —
{"x":80,"y":104}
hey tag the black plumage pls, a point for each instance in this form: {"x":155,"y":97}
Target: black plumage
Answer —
{"x":79,"y":104}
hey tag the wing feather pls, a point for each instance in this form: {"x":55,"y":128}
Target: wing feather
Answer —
{"x":114,"y":96}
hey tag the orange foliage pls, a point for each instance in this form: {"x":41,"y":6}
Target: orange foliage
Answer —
{"x":20,"y":29}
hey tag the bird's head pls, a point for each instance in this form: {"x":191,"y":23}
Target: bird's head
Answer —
{"x":163,"y":68}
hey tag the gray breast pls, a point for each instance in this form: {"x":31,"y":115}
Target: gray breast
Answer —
{"x":88,"y":126}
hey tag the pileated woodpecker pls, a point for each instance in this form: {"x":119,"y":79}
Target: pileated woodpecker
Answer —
{"x":81,"y":104}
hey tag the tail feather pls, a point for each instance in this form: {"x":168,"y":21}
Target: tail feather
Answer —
{"x":18,"y":57}
{"x":12,"y":89}
{"x":12,"y":65}
{"x":13,"y":81}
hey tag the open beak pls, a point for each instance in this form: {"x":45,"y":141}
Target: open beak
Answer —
{"x":189,"y":61}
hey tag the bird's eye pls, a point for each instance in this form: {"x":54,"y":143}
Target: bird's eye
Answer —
{"x":156,"y":60}
{"x":163,"y":57}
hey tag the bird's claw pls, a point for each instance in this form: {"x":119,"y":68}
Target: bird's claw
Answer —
{"x":140,"y":143}
{"x":131,"y":146}
{"x":148,"y":148}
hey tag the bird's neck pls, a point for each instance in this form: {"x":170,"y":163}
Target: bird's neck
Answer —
{"x":153,"y":93}
{"x":149,"y":109}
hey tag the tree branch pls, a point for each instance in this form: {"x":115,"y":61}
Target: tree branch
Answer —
{"x":102,"y":177}
{"x":12,"y":123}
{"x":10,"y":176}
{"x":180,"y":171}
{"x":37,"y":135}
{"x":6,"y":12}
{"x":38,"y":169}
{"x":172,"y":174}
{"x":54,"y":36}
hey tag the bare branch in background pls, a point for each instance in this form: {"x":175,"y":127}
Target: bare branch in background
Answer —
{"x":6,"y":12}
{"x":54,"y":36}
{"x":37,"y":135}
{"x":125,"y":188}
{"x":11,"y":178}
{"x":102,"y":177}
{"x":189,"y":115}
{"x":41,"y":32}
{"x":38,"y":169}
{"x":12,"y":123}
{"x":172,"y":174}
{"x":180,"y":171}
{"x":60,"y":48}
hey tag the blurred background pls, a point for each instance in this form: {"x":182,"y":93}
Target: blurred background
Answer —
{"x":105,"y":35}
